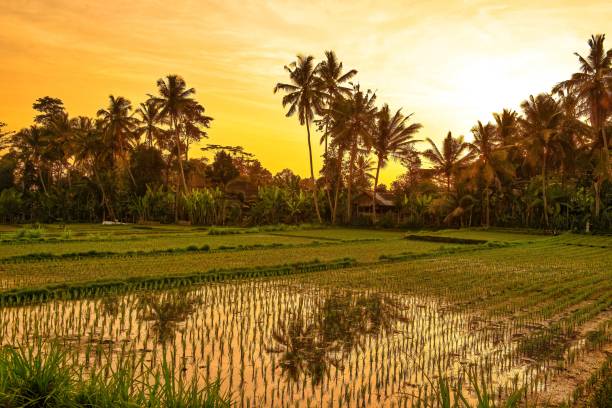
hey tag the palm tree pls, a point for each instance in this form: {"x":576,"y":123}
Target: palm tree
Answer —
{"x":331,"y":76}
{"x":305,"y":97}
{"x":150,"y":117}
{"x":174,"y":100}
{"x":32,"y":143}
{"x":193,"y":122}
{"x":351,"y":128}
{"x":506,"y":124}
{"x":92,"y":153}
{"x":447,"y":162}
{"x":593,"y":85}
{"x":392,"y":136}
{"x":331,"y":79}
{"x":118,"y":124}
{"x":363,"y":169}
{"x":491,"y":161}
{"x":542,"y":125}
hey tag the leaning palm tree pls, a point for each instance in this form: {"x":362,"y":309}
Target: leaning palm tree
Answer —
{"x":593,"y":85}
{"x":542,"y":129}
{"x":392,"y":136}
{"x":148,"y":123}
{"x":305,"y":97}
{"x":448,"y":161}
{"x":174,"y":100}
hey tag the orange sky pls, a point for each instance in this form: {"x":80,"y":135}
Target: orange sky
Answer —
{"x":450,"y":62}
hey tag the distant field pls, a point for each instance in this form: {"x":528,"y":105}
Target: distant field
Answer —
{"x":36,"y":273}
{"x":531,"y":310}
{"x":491,"y":235}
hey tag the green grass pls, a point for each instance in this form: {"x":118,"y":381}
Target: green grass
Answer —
{"x":43,"y":376}
{"x":510,"y":235}
{"x":145,"y":243}
{"x":546,"y":277}
{"x":345,"y":234}
{"x":39,"y":273}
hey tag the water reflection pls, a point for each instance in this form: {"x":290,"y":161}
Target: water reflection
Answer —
{"x":340,"y":323}
{"x":166,"y":311}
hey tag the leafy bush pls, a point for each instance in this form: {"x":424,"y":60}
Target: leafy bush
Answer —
{"x":154,"y":205}
{"x":205,"y":207}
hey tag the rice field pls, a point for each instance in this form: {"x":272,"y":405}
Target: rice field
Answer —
{"x":273,"y":318}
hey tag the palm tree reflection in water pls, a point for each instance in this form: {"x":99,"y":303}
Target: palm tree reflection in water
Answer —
{"x":340,"y":324}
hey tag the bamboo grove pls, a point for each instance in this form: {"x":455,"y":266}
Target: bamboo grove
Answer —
{"x":545,"y":165}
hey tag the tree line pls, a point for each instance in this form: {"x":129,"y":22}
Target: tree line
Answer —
{"x":545,"y":166}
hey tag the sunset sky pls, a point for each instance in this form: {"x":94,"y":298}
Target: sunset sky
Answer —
{"x":450,"y":62}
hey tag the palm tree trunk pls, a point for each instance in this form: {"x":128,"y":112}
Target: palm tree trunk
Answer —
{"x":374,"y":195}
{"x":488,"y":208}
{"x":599,"y":180}
{"x":326,"y":173}
{"x":124,"y":157}
{"x":105,"y":200}
{"x":544,"y":198}
{"x":606,"y":151}
{"x":42,"y":181}
{"x":312,"y":177}
{"x":349,"y":204}
{"x":178,"y":153}
{"x":337,"y":187}
{"x":597,"y":189}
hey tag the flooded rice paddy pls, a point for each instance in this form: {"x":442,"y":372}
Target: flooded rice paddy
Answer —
{"x":282,"y":343}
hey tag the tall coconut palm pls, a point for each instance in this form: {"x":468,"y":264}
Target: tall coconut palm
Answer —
{"x":392,"y":136}
{"x":351,"y":128}
{"x":490,"y":161}
{"x":593,"y":85}
{"x":447,"y":162}
{"x":332,"y":79}
{"x":541,"y":125}
{"x":305,"y":98}
{"x":150,"y":117}
{"x":174,"y":100}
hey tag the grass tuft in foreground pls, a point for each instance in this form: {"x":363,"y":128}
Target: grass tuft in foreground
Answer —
{"x":39,"y":376}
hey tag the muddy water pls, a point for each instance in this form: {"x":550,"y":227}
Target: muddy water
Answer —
{"x":275,"y":343}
